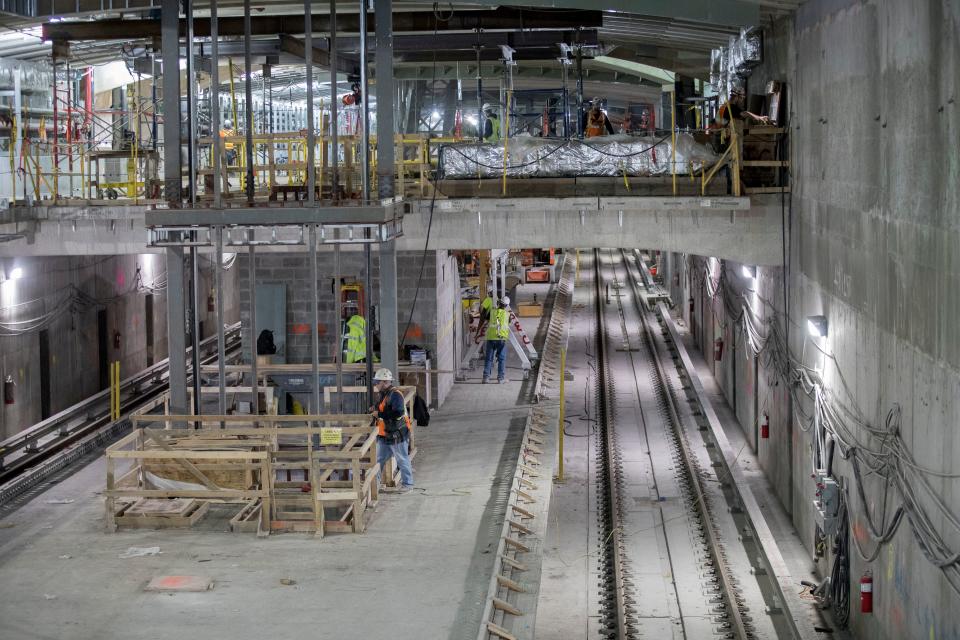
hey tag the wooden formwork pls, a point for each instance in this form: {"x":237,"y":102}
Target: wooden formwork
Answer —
{"x":315,"y":473}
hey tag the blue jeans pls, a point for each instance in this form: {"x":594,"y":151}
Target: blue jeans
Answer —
{"x":398,"y":452}
{"x":496,"y":348}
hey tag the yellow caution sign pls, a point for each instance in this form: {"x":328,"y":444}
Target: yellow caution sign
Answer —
{"x":331,"y":435}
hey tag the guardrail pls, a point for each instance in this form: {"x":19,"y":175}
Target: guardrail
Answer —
{"x":88,"y":423}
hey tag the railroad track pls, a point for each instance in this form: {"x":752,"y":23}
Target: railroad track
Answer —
{"x":675,"y":557}
{"x":32,"y":455}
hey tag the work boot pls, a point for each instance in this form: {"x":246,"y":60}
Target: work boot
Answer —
{"x":501,"y":381}
{"x":486,"y":380}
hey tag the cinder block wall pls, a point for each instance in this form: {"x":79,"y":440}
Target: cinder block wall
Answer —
{"x":874,"y":91}
{"x":420,"y":328}
{"x":71,"y":290}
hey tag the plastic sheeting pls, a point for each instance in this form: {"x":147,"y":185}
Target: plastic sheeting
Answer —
{"x":619,"y":155}
{"x":731,"y":64}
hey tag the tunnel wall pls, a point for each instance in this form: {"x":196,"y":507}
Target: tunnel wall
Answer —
{"x":874,"y":228}
{"x":72,"y":290}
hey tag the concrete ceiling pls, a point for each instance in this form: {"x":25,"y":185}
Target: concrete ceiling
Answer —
{"x":674,"y":35}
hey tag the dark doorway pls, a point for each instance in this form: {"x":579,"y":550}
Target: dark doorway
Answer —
{"x":44,"y":374}
{"x":148,"y":325}
{"x":103,"y":343}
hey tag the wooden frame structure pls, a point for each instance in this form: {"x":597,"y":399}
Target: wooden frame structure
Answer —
{"x":313,"y":473}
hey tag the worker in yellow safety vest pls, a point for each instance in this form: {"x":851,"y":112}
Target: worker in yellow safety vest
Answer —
{"x":356,"y":350}
{"x":498,"y":331}
{"x":229,"y":147}
{"x":491,"y":124}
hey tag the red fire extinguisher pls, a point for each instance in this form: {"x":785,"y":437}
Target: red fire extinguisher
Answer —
{"x":866,"y":592}
{"x":8,"y":387}
{"x":718,"y":349}
{"x":765,"y":427}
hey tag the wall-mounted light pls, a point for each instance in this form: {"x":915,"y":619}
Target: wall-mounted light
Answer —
{"x":817,"y":326}
{"x":16,"y":273}
{"x":749,"y":272}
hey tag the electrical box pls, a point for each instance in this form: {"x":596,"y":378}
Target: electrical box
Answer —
{"x":826,"y":505}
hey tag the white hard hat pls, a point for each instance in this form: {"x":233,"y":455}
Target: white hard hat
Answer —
{"x":383,"y":375}
{"x":506,"y":300}
{"x":227,"y":124}
{"x":487,"y":106}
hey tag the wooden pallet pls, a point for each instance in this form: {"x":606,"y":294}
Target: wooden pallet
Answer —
{"x":153,"y":513}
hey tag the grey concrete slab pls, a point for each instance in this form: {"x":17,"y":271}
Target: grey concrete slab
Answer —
{"x":420,"y":571}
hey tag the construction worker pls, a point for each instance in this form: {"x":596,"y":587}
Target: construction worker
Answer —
{"x":595,"y":122}
{"x":735,"y":108}
{"x":356,"y":350}
{"x":498,"y":331}
{"x":491,"y":124}
{"x":229,"y":148}
{"x":393,"y":427}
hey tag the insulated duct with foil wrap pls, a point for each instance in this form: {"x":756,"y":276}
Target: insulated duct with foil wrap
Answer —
{"x":529,"y":157}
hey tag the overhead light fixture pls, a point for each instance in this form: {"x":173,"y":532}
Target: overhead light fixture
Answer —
{"x":16,"y":273}
{"x":817,"y":326}
{"x":749,"y":272}
{"x":435,"y":114}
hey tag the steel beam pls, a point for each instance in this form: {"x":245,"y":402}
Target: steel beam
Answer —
{"x":504,"y":19}
{"x":296,"y":48}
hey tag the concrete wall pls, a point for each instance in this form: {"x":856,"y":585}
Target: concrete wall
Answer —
{"x":51,"y":286}
{"x":875,"y":120}
{"x":422,"y":327}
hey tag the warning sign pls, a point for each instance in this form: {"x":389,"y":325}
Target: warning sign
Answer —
{"x":331,"y":435}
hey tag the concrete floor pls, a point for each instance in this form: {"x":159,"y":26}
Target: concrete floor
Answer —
{"x":420,"y":571}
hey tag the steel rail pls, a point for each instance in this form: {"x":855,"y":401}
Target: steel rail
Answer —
{"x":702,"y":505}
{"x":612,"y":531}
{"x":93,"y":413}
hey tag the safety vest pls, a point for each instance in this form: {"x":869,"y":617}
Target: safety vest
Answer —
{"x":495,"y":130}
{"x":385,"y":430}
{"x":485,"y":308}
{"x":225,"y":133}
{"x":499,"y":325}
{"x":356,"y":340}
{"x":595,"y":125}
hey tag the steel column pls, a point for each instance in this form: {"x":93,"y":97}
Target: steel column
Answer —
{"x":389,"y":340}
{"x":311,"y":132}
{"x":217,"y":141}
{"x":170,"y":45}
{"x":334,"y":143}
{"x":383,"y":63}
{"x":176,"y":338}
{"x":191,"y":107}
{"x":365,"y":191}
{"x":248,"y":92}
{"x":195,"y":328}
{"x":255,"y":381}
{"x":314,"y":322}
{"x":221,"y":340}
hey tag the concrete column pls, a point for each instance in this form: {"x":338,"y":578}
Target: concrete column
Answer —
{"x":170,"y":43}
{"x":176,"y":333}
{"x":389,"y":329}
